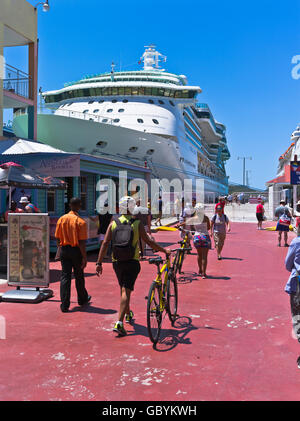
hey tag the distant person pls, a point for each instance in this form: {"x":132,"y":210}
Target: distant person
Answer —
{"x":229,"y":198}
{"x":221,"y":203}
{"x":104,"y":219}
{"x":177,"y":208}
{"x":283,"y":215}
{"x":260,"y":213}
{"x":143,"y":215}
{"x":124,"y":232}
{"x":201,"y":238}
{"x":219,"y":222}
{"x":13,"y":209}
{"x":292,"y":264}
{"x":71,"y":235}
{"x":27,"y":206}
{"x":158,"y":220}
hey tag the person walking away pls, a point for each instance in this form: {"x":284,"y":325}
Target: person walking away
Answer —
{"x":184,"y":221}
{"x":158,"y":220}
{"x":201,"y":238}
{"x":219,"y":222}
{"x":260,"y":213}
{"x":124,"y":232}
{"x":292,"y":264}
{"x":104,"y":219}
{"x":143,"y":215}
{"x":71,"y":234}
{"x":283,"y":215}
{"x":221,"y":203}
{"x":177,"y":206}
{"x":27,"y":206}
{"x":13,"y":209}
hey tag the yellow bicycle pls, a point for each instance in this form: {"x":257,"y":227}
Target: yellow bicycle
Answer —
{"x":163,"y":295}
{"x":185,"y":247}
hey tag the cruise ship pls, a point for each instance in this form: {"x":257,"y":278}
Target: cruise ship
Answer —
{"x":149,"y":116}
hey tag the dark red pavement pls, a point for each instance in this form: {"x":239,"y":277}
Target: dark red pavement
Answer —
{"x":232,"y":341}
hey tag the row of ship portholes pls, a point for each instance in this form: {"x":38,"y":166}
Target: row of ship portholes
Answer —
{"x":151,"y":101}
{"x":102,"y":144}
{"x":116,"y":120}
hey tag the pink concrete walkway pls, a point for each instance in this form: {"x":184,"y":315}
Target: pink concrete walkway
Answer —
{"x":232,"y":341}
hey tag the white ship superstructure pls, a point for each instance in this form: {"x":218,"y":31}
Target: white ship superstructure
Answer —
{"x":148,"y":116}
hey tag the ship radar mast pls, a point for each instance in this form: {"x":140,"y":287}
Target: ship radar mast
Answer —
{"x":151,"y":58}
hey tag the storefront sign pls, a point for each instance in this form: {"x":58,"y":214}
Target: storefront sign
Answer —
{"x":57,"y":165}
{"x":28,"y":250}
{"x":295,"y":172}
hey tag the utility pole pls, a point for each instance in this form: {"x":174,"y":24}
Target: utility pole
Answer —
{"x":244,"y":166}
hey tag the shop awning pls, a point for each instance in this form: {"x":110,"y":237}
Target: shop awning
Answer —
{"x":12,"y":175}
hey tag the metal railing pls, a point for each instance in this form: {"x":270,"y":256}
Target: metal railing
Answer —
{"x":17,"y":81}
{"x":86,"y":116}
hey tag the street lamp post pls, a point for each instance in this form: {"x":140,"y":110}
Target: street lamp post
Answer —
{"x":244,"y":166}
{"x":45,"y":4}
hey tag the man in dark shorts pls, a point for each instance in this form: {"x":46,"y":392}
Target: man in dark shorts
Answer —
{"x":126,"y":271}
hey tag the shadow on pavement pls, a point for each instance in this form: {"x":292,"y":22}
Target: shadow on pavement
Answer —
{"x":92,"y":309}
{"x":187,"y":278}
{"x":170,"y":338}
{"x":232,"y":258}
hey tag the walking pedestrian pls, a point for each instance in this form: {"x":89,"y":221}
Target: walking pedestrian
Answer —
{"x":71,"y":234}
{"x":292,"y":264}
{"x":283,"y":225}
{"x":260,"y":213}
{"x":221,"y":203}
{"x":158,"y":220}
{"x":143,"y":215}
{"x":104,"y":219}
{"x":219,"y":222}
{"x":201,"y":238}
{"x":177,"y":206}
{"x":124,"y":232}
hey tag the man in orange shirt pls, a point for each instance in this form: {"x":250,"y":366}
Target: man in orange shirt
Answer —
{"x":71,"y":234}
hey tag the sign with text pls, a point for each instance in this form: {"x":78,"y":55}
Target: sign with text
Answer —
{"x":295,"y":172}
{"x":28,"y":249}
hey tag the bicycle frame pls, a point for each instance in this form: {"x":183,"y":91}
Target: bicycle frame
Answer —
{"x":161,"y":280}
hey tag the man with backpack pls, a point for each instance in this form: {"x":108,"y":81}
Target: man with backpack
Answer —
{"x":124,"y":232}
{"x":283,"y":225}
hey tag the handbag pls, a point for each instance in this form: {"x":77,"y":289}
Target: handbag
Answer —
{"x":285,"y":220}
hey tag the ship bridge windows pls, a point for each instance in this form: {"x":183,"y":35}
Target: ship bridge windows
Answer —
{"x":155,"y":121}
{"x":140,"y":120}
{"x":120,"y":90}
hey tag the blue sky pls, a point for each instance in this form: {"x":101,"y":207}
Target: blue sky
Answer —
{"x":238,"y":52}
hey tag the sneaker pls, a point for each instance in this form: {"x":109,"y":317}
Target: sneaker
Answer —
{"x":286,"y":245}
{"x":119,"y":329}
{"x":298,"y":362}
{"x":279,"y":244}
{"x":129,"y":317}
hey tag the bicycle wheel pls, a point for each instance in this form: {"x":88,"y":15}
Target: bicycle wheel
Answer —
{"x":154,"y":316}
{"x":172,"y":297}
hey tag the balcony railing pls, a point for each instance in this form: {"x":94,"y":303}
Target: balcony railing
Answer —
{"x":17,"y":81}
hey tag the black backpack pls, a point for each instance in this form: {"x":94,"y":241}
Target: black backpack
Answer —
{"x":122,"y":237}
